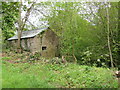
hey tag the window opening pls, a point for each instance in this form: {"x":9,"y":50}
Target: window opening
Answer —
{"x":44,"y":47}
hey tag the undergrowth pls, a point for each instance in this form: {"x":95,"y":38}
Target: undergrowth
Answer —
{"x":39,"y":75}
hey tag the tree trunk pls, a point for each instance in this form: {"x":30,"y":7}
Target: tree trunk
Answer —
{"x":108,"y":37}
{"x":75,"y":59}
{"x":19,"y":30}
{"x":21,"y":24}
{"x":19,"y":42}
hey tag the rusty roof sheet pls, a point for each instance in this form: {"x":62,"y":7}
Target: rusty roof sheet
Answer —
{"x":29,"y":34}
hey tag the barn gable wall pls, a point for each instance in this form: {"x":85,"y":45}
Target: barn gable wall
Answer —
{"x":50,"y":41}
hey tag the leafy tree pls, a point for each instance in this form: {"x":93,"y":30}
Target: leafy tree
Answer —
{"x":106,"y":24}
{"x":93,"y":42}
{"x":9,"y":17}
{"x":75,"y":33}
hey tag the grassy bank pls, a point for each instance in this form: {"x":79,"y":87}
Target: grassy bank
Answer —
{"x":38,"y":75}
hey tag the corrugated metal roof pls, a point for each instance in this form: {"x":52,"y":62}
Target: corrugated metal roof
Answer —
{"x":29,"y":34}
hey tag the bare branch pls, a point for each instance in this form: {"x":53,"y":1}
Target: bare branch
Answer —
{"x":30,"y":23}
{"x":41,"y":12}
{"x":27,"y":15}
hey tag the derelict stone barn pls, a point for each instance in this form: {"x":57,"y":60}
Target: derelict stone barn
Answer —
{"x":42,"y":40}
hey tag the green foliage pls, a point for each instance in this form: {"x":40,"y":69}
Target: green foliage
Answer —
{"x":101,"y":26}
{"x":74,"y":31}
{"x":25,"y":75}
{"x":17,"y":77}
{"x":55,"y":61}
{"x":35,"y":56}
{"x":95,"y":57}
{"x":5,"y":58}
{"x":9,"y":17}
{"x":78,"y":36}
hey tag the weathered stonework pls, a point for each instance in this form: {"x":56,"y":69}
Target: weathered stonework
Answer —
{"x":50,"y":41}
{"x":46,"y":43}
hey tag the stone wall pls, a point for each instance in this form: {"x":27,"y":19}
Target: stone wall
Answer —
{"x":24,"y":44}
{"x":50,"y":41}
{"x":45,"y":43}
{"x":34,"y":44}
{"x":13,"y":45}
{"x":31,"y":44}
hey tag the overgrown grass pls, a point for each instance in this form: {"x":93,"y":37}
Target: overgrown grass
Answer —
{"x":26,"y":75}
